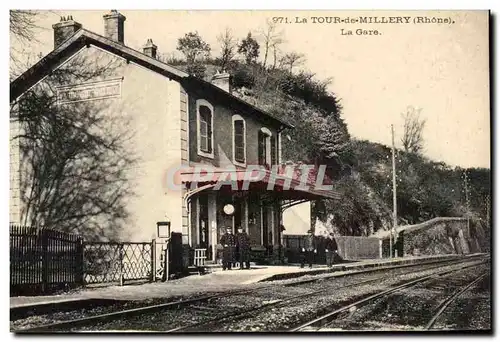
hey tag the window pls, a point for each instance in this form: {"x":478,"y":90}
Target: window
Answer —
{"x":205,"y":128}
{"x":239,"y":140}
{"x":265,"y":147}
{"x":205,"y":118}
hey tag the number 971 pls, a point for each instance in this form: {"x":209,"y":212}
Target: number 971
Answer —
{"x":280,"y":20}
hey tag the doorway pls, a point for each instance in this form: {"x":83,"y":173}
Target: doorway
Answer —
{"x":203,"y":221}
{"x":238,"y":214}
{"x":265,"y":226}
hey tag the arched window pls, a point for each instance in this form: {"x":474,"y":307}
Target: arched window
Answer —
{"x":265,"y":147}
{"x":239,"y":140}
{"x":205,"y":122}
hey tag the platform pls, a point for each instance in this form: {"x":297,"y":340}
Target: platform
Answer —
{"x":215,"y":281}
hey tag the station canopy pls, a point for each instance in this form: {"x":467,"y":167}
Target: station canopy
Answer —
{"x":287,"y":182}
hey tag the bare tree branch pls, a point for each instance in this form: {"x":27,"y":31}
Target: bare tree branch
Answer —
{"x":413,"y":140}
{"x":228,"y":45}
{"x":23,"y":24}
{"x":23,"y":28}
{"x":272,"y":39}
{"x":291,"y":60}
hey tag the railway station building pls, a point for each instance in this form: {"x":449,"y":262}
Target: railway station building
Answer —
{"x":180,"y":124}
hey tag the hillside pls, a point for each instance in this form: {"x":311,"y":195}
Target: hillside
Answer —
{"x":362,"y":169}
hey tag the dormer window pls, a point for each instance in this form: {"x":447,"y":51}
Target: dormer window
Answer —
{"x":205,"y":122}
{"x":239,"y":140}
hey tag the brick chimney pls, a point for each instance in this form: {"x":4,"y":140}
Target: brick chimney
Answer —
{"x":114,"y":26}
{"x":150,"y":48}
{"x":222,"y":80}
{"x":64,"y":29}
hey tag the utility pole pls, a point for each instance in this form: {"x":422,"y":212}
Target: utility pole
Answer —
{"x":488,"y":211}
{"x":394,"y":197}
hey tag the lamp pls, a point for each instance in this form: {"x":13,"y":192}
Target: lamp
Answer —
{"x":229,"y":209}
{"x":163,"y":229}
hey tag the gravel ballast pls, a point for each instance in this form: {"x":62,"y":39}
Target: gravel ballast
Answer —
{"x":279,"y":317}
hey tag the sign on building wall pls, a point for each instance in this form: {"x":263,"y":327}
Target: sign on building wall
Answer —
{"x":89,"y":91}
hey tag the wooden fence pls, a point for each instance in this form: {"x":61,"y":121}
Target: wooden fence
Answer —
{"x":348,"y":247}
{"x":44,"y":261}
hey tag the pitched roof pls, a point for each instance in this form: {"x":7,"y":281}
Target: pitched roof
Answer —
{"x":84,"y":37}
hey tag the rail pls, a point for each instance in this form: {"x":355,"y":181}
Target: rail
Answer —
{"x":60,"y":326}
{"x":444,"y":304}
{"x":327,"y":318}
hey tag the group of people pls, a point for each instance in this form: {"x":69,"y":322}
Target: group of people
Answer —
{"x":235,"y":248}
{"x":309,"y":249}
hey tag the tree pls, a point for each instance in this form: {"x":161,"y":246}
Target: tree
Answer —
{"x":196,"y":69}
{"x":227,"y":47}
{"x":276,"y":50}
{"x":22,"y":28}
{"x":291,"y":60}
{"x":272,"y":39}
{"x":413,"y":140}
{"x":249,"y":48}
{"x":23,"y":24}
{"x":73,"y":156}
{"x":193,"y":47}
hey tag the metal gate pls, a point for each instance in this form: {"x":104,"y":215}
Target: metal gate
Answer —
{"x":108,"y":262}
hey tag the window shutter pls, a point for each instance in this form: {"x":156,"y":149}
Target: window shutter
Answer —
{"x":203,"y":135}
{"x":209,"y":134}
{"x":239,"y":141}
{"x":205,"y":129}
{"x":273,"y":150}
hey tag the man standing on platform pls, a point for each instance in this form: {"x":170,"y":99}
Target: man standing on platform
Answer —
{"x":330,"y":250}
{"x":309,"y":249}
{"x":228,"y":243}
{"x":243,"y":246}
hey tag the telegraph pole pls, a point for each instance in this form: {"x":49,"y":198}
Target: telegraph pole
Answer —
{"x":488,"y":211}
{"x":467,"y":201}
{"x":394,"y":197}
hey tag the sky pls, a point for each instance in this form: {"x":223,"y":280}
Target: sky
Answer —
{"x":441,"y":68}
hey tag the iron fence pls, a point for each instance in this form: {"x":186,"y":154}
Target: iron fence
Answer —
{"x":44,"y":260}
{"x":109,"y":262}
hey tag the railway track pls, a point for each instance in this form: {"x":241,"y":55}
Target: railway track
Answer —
{"x":448,"y":301}
{"x":213,"y":323}
{"x":319,"y":323}
{"x":198,"y":304}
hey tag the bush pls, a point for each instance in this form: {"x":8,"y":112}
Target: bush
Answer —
{"x":243,"y":76}
{"x":197,"y":70}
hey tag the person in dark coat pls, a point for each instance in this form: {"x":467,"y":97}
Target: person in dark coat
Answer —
{"x":228,"y":242}
{"x":330,"y":250}
{"x":308,"y":249}
{"x":243,"y":247}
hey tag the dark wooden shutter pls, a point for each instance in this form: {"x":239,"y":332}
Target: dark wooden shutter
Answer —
{"x":262,"y":148}
{"x":209,"y":132}
{"x":273,"y":150}
{"x":206,"y":116}
{"x":239,"y":141}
